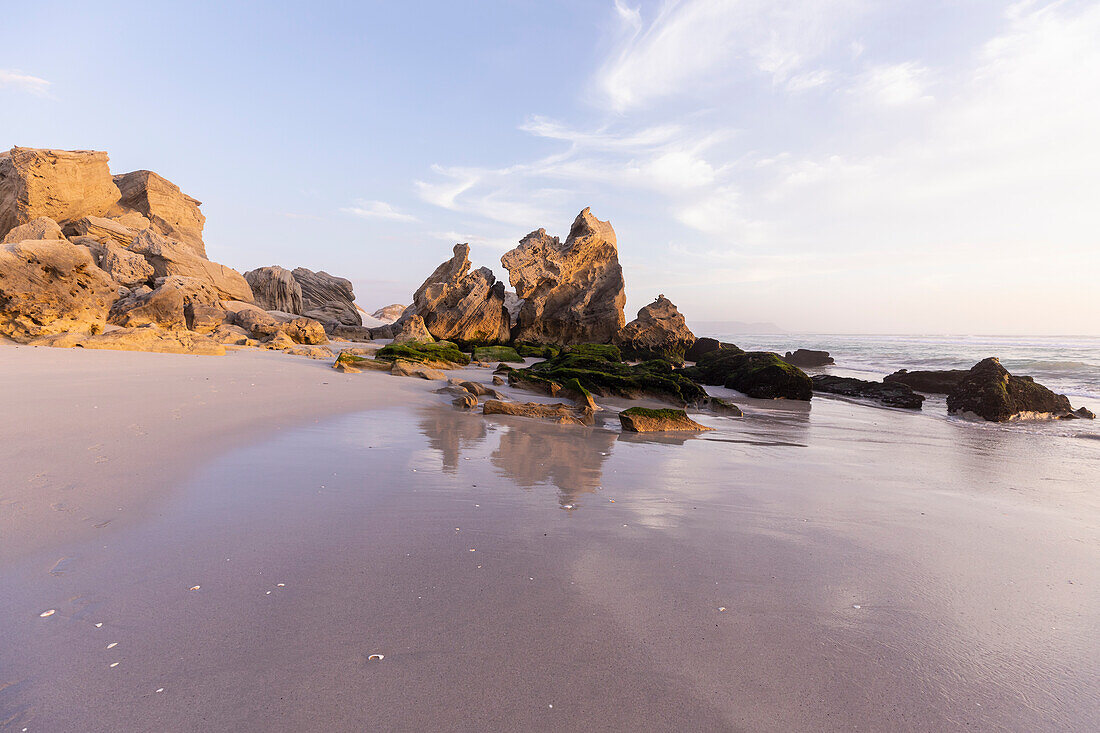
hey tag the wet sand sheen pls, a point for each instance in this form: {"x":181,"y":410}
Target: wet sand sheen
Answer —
{"x":877,"y":570}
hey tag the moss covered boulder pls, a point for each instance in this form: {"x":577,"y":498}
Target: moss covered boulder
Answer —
{"x":537,"y":351}
{"x":441,"y":353}
{"x":496,"y":353}
{"x":760,"y":374}
{"x":645,"y":420}
{"x":991,"y":393}
{"x":599,"y":369}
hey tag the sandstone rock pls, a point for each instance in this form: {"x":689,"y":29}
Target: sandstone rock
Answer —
{"x":891,"y":394}
{"x":560,"y":413}
{"x":389,"y":313}
{"x":170,"y":257}
{"x":41,"y":228}
{"x":937,"y":381}
{"x":351,"y":333}
{"x":101,"y":230}
{"x":659,"y":332}
{"x":51,"y":286}
{"x":162,"y":307}
{"x":512,"y":304}
{"x":644,"y":420}
{"x":305,"y":331}
{"x":808,"y":358}
{"x":125,"y":267}
{"x":170,"y":212}
{"x":573,"y":292}
{"x":759,"y":374}
{"x":382,"y":332}
{"x":988,"y":391}
{"x":411,"y":369}
{"x":326,"y":298}
{"x":498,"y":380}
{"x":204,"y":317}
{"x":413,"y":330}
{"x":60,"y":184}
{"x":149,"y":338}
{"x":456,"y":304}
{"x":229,"y":334}
{"x":274,"y":288}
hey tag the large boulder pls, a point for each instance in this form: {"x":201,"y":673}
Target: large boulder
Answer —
{"x":389,"y":313}
{"x":659,"y":332}
{"x":988,"y":391}
{"x":645,"y":420}
{"x":573,"y":292}
{"x":412,"y":329}
{"x":460,"y":305}
{"x":51,"y":286}
{"x":932,"y":381}
{"x":275,"y":289}
{"x":41,"y":228}
{"x":891,"y":394}
{"x":173,"y":304}
{"x":705,"y":345}
{"x":62,"y":185}
{"x":170,"y":211}
{"x":125,"y":267}
{"x":101,"y":230}
{"x":170,"y":257}
{"x":760,"y":374}
{"x":559,"y":412}
{"x":327,"y":298}
{"x":808,"y":358}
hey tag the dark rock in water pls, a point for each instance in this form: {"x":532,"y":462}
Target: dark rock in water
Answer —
{"x":705,"y":345}
{"x":645,"y":420}
{"x":889,"y":394}
{"x":990,"y":392}
{"x":725,"y":407}
{"x":600,"y":370}
{"x":659,"y":332}
{"x":760,"y":374}
{"x":939,"y":381}
{"x":808,"y":358}
{"x":1082,"y":412}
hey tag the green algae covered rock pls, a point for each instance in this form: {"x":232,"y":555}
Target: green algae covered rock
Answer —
{"x":646,"y":420}
{"x":496,"y":353}
{"x":760,"y":374}
{"x":440,"y":352}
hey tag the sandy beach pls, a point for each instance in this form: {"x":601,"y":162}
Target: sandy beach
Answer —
{"x":241,"y":534}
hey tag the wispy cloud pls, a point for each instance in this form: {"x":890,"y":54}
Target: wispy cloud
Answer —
{"x":24,"y":82}
{"x":377,"y":210}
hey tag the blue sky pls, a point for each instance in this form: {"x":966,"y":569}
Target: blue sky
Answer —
{"x":828,"y":165}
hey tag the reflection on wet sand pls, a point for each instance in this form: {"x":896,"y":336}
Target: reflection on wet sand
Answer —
{"x":450,"y":431}
{"x":567,"y":456}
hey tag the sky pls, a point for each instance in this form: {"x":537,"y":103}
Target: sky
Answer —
{"x":845,"y":166}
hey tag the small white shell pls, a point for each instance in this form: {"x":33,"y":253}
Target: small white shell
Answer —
{"x":194,"y":587}
{"x":112,"y":645}
{"x":114,"y":664}
{"x":47,"y":614}
{"x":376,"y":657}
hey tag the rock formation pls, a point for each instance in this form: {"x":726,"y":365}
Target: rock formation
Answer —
{"x":149,"y":338}
{"x":125,"y":267}
{"x":51,"y":286}
{"x":389,"y":313}
{"x":459,"y":305}
{"x":169,"y":257}
{"x":988,"y":391}
{"x":758,"y":374}
{"x":559,"y":413}
{"x":937,"y":381}
{"x":326,"y":298}
{"x":808,"y":358}
{"x":573,"y":292}
{"x":413,"y":329}
{"x":101,"y":230}
{"x":275,"y":289}
{"x":41,"y":228}
{"x":705,"y":345}
{"x":889,"y":394}
{"x":659,"y":332}
{"x":645,"y":420}
{"x":62,"y":185}
{"x":169,"y":211}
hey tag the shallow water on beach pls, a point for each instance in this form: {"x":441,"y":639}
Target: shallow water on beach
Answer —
{"x":823,"y":567}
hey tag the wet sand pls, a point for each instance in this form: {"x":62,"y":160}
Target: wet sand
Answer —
{"x":833,"y":568}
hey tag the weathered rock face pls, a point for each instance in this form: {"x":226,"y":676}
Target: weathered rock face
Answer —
{"x":169,"y":257}
{"x":390,"y":313}
{"x":940,"y":381}
{"x":808,"y":358}
{"x":644,"y":420}
{"x":327,"y":298}
{"x":889,"y":394}
{"x":41,"y":228}
{"x":413,"y":329}
{"x":100,"y":229}
{"x":51,"y":286}
{"x":168,"y":305}
{"x":60,"y":184}
{"x":170,"y":211}
{"x":125,"y":267}
{"x":559,"y":413}
{"x":573,"y":292}
{"x":993,"y":394}
{"x":148,"y":338}
{"x":459,"y":305}
{"x":760,"y":374}
{"x":659,"y":332}
{"x":275,"y":289}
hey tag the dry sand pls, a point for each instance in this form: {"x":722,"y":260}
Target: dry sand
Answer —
{"x":841,"y":567}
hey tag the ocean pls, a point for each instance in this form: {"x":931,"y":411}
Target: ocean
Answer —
{"x":1069,"y":365}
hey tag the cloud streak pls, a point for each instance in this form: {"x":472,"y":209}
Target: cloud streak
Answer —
{"x":377,"y":210}
{"x":16,"y":79}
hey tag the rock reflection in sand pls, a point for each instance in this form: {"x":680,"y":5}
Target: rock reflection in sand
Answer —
{"x":530,"y":454}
